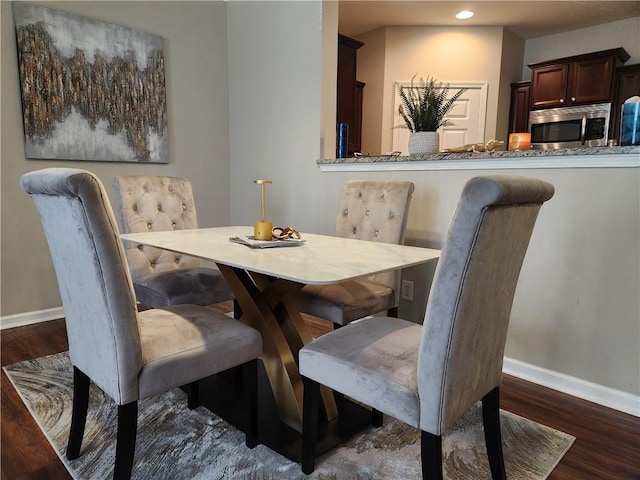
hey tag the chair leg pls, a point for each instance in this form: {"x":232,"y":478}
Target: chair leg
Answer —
{"x":193,"y":395}
{"x":492,"y":435}
{"x":431,"y":452}
{"x":126,"y":440}
{"x":250,"y":377}
{"x":393,"y":312}
{"x":377,"y":417}
{"x":310,"y":402}
{"x":81,"y":384}
{"x":237,"y":311}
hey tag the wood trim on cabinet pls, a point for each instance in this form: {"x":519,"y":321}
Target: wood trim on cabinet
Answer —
{"x":619,"y":52}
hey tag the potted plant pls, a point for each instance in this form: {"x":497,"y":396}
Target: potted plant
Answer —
{"x":423,"y":108}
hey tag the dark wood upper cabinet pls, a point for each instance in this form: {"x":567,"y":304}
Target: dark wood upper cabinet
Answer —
{"x":519,"y":113}
{"x":550,"y":86}
{"x":583,"y":88}
{"x":577,"y":80}
{"x":628,"y":85}
{"x":349,"y":91}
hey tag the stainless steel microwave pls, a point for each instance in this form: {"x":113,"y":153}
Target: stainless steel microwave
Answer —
{"x":570,"y":127}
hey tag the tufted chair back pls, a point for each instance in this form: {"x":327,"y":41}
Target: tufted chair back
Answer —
{"x":147,"y":203}
{"x":375,"y":211}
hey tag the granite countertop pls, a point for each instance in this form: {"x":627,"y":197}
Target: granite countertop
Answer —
{"x":563,"y":152}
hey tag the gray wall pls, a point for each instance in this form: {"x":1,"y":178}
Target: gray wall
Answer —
{"x":275,"y":89}
{"x":625,"y":33}
{"x":195,"y":49}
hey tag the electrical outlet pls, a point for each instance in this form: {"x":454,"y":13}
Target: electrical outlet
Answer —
{"x":407,"y":290}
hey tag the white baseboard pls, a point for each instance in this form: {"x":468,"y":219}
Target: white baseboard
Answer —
{"x":29,"y":318}
{"x":608,"y":397}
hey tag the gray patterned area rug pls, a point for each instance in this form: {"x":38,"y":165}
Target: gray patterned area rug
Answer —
{"x":177,"y":443}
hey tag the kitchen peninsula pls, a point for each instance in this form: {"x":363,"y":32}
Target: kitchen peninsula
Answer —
{"x":579,"y":284}
{"x":592,"y":157}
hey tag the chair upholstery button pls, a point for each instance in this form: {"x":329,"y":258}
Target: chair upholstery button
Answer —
{"x":140,"y":247}
{"x":149,"y":226}
{"x":375,"y":233}
{"x":345,"y":211}
{"x":391,"y":214}
{"x":173,"y":224}
{"x":367,"y":212}
{"x":354,"y":229}
{"x":359,"y":194}
{"x":135,"y":208}
{"x":170,"y":188}
{"x":382,"y":195}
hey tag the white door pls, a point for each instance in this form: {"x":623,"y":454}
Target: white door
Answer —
{"x":467,"y":117}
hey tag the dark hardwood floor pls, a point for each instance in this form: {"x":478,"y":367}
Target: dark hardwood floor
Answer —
{"x":607,"y":442}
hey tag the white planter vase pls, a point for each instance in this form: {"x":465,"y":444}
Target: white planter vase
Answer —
{"x":423,"y":143}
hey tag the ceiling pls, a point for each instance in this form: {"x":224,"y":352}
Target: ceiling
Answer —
{"x":527,"y":19}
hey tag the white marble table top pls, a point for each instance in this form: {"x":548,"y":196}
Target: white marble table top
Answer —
{"x":321,"y":260}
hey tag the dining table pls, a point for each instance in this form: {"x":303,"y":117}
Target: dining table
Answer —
{"x":263,"y":279}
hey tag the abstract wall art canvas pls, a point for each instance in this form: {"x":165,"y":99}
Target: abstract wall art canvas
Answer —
{"x":90,"y":90}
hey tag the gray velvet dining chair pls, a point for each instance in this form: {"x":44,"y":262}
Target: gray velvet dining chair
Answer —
{"x":130,"y":355}
{"x":429,"y":375}
{"x":160,"y":277}
{"x":374,"y":210}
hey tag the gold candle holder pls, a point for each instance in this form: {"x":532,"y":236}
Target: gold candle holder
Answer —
{"x":262,"y":230}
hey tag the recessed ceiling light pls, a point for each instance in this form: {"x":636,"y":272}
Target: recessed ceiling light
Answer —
{"x":464,"y":14}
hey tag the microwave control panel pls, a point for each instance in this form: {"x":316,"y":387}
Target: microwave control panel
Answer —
{"x":595,"y":129}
